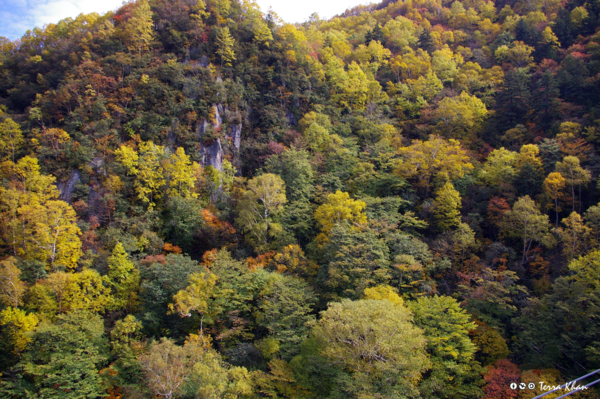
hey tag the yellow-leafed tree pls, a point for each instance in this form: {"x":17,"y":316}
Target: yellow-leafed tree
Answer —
{"x":181,"y":174}
{"x":123,"y":278}
{"x":339,"y":207}
{"x":433,"y":158}
{"x":36,"y":224}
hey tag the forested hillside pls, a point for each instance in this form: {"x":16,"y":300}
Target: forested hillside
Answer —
{"x":199,"y":200}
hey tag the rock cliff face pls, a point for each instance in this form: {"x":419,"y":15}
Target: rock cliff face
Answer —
{"x":235,"y":133}
{"x":218,"y":109}
{"x":211,"y":154}
{"x":204,"y":61}
{"x":291,"y":118}
{"x":67,"y":188}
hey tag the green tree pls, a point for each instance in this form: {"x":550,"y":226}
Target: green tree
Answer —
{"x":258,"y":209}
{"x":445,"y":64}
{"x":225,"y":43}
{"x":447,"y":206}
{"x":316,"y":136}
{"x":313,"y":117}
{"x":296,"y":171}
{"x":161,"y":278}
{"x":556,"y":330}
{"x":454,"y":371}
{"x":525,"y":221}
{"x":284,"y":309}
{"x":11,"y":138}
{"x":256,"y":23}
{"x":575,"y":175}
{"x":181,"y":222}
{"x":514,"y":97}
{"x":125,"y":342}
{"x":64,"y":359}
{"x":232,"y":307}
{"x":350,"y":88}
{"x":352,"y":261}
{"x":124,"y":279}
{"x":376,"y":346}
{"x":139,"y":27}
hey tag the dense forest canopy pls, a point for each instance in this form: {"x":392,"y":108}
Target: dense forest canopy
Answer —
{"x":199,"y":200}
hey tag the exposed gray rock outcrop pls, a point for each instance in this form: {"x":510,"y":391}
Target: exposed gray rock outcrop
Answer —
{"x":212,"y":155}
{"x":97,"y":164}
{"x":218,"y":115}
{"x":204,"y":61}
{"x":235,"y":133}
{"x":291,"y":118}
{"x":67,"y":188}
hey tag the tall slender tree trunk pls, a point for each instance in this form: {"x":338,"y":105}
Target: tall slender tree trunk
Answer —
{"x":573,"y":195}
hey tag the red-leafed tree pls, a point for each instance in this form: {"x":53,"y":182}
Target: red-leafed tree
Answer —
{"x":499,"y":377}
{"x":495,"y":210}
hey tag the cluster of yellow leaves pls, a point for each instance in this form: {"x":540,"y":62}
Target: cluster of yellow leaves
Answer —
{"x":339,"y":207}
{"x":154,"y":171}
{"x":123,"y":278}
{"x":435,"y":158}
{"x":18,"y":324}
{"x":10,"y":138}
{"x":383,"y":292}
{"x":36,"y":224}
{"x":194,"y":298}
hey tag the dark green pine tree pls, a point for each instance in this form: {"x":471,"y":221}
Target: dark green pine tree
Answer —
{"x":529,"y":179}
{"x":561,"y":328}
{"x":426,"y":42}
{"x":545,"y":99}
{"x":550,"y":154}
{"x":514,"y":99}
{"x":573,"y":82}
{"x":526,"y":34}
{"x":374,"y":34}
{"x":563,"y":28}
